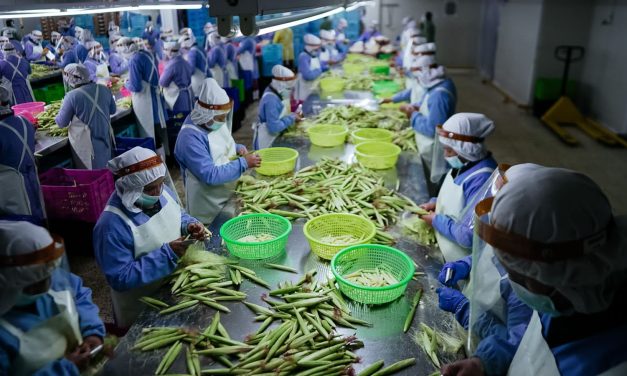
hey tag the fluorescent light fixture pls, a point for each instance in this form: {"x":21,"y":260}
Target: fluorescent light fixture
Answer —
{"x":274,"y":28}
{"x":27,"y":11}
{"x":359,"y":5}
{"x":170,"y":6}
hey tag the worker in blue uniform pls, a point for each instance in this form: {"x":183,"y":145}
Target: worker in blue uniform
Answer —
{"x":341,"y":42}
{"x":96,"y":64}
{"x":248,"y":69}
{"x":370,"y":32}
{"x":231,"y":61}
{"x":309,"y":67}
{"x":554,"y":233}
{"x":274,"y":108}
{"x":207,"y":30}
{"x":87,"y":111}
{"x":14,"y":41}
{"x":14,"y":69}
{"x":21,"y":193}
{"x":53,"y":45}
{"x":67,"y":51}
{"x":139,"y":237}
{"x":329,"y":54}
{"x":33,"y":47}
{"x":197,"y":59}
{"x":176,"y":82}
{"x":117,"y":63}
{"x":207,"y":153}
{"x":216,"y":60}
{"x":48,"y":321}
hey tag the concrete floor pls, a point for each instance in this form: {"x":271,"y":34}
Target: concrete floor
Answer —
{"x":519,"y":137}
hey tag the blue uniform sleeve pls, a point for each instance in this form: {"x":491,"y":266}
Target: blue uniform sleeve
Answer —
{"x":304,"y":62}
{"x":66,"y":113}
{"x":91,"y":67}
{"x":196,"y":158}
{"x":89,"y":321}
{"x":440,"y":106}
{"x":462,"y":314}
{"x":28,"y":51}
{"x":402,"y":96}
{"x":134,"y":82}
{"x":61,"y":367}
{"x":114,"y":251}
{"x":455,"y":231}
{"x":118,"y":64}
{"x":272,"y":108}
{"x":496,"y":355}
{"x":168,"y":76}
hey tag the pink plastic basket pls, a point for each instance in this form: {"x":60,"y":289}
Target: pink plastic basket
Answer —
{"x":32,"y":108}
{"x":76,"y":194}
{"x":124,"y":92}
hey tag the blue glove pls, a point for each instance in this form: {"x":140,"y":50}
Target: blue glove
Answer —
{"x":461,"y":270}
{"x":451,"y":300}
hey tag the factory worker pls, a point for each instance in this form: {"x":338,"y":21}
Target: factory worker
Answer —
{"x":436,"y":106}
{"x":112,"y":28}
{"x":207,"y":154}
{"x":285,"y":37}
{"x":14,"y":41}
{"x":78,"y":33}
{"x":370,"y":32}
{"x":415,"y":93}
{"x":208,"y":29}
{"x":554,"y":233}
{"x":3,"y":41}
{"x":48,"y":321}
{"x":33,"y":47}
{"x":67,"y":50}
{"x":176,"y":81}
{"x":87,"y":110}
{"x":150,"y":34}
{"x":274,"y":108}
{"x":249,"y":71}
{"x":20,"y":196}
{"x":9,"y":30}
{"x":216,"y":60}
{"x":117,"y":63}
{"x":55,"y":43}
{"x":96,"y":64}
{"x":462,"y":142}
{"x":231,"y":61}
{"x":14,"y":69}
{"x":329,"y":54}
{"x":197,"y":59}
{"x":164,"y":37}
{"x":143,"y":83}
{"x":357,"y":48}
{"x":139,"y":237}
{"x":309,"y":67}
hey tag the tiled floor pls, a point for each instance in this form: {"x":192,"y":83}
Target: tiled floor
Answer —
{"x":519,"y":137}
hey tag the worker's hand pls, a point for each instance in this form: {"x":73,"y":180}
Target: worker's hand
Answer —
{"x":298,"y":117}
{"x":242,"y":150}
{"x":461,"y":270}
{"x":179,"y":246}
{"x":90,"y":343}
{"x":407,"y":109}
{"x":428,"y":218}
{"x":450,"y":299}
{"x":464,"y":367}
{"x":253,"y":160}
{"x":428,"y":206}
{"x":45,"y":51}
{"x":196,"y":230}
{"x":79,"y":357}
{"x":386,"y":100}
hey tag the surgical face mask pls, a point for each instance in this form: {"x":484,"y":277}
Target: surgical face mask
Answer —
{"x":455,"y":162}
{"x":285,"y":93}
{"x":215,"y":125}
{"x":423,"y":78}
{"x":24,"y":299}
{"x":146,"y":201}
{"x":540,"y":303}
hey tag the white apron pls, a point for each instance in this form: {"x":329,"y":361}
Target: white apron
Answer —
{"x":13,"y":194}
{"x":163,"y":227}
{"x":451,"y":203}
{"x":262,"y":137}
{"x":231,"y":70}
{"x":199,"y":76}
{"x":424,"y":143}
{"x":417,"y":92}
{"x":246,"y":61}
{"x":49,"y":340}
{"x":205,"y":201}
{"x":79,"y":134}
{"x":142,"y":105}
{"x":38,"y":49}
{"x":17,"y":72}
{"x":325,"y":55}
{"x":304,"y":87}
{"x":218,"y":75}
{"x":102,"y":74}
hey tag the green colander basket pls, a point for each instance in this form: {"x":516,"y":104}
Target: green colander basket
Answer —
{"x":385,"y":88}
{"x":370,"y":256}
{"x":277,"y":161}
{"x":377,"y":155}
{"x":332,"y":84}
{"x":256,"y":224}
{"x":327,"y":135}
{"x":371,"y":134}
{"x":337,"y":224}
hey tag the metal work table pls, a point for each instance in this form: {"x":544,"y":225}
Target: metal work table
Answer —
{"x":384,"y":340}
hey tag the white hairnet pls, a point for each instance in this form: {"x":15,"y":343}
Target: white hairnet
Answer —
{"x":18,"y":239}
{"x":37,"y":35}
{"x":208,"y":28}
{"x":210,"y":93}
{"x":78,"y":31}
{"x":187,"y":41}
{"x":311,"y":40}
{"x":424,"y":47}
{"x":554,"y":205}
{"x":186,"y":31}
{"x":468,"y":124}
{"x":76,"y":75}
{"x":342,"y":23}
{"x":130,"y":187}
{"x":9,"y":49}
{"x":521,"y":170}
{"x":279,"y":71}
{"x":357,"y":47}
{"x":3,"y":40}
{"x":327,"y":35}
{"x":172,"y":49}
{"x":85,"y":36}
{"x":214,"y":39}
{"x":166,"y":35}
{"x":431,"y":77}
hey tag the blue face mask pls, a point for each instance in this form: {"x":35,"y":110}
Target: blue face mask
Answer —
{"x":455,"y":162}
{"x":24,"y":299}
{"x":216,"y":125}
{"x":146,"y":201}
{"x":540,"y":303}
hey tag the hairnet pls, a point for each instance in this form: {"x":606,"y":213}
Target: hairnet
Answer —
{"x":127,"y":46}
{"x":186,"y":31}
{"x":95,"y":49}
{"x":431,"y":77}
{"x":3,"y":40}
{"x":521,"y":170}
{"x":166,"y":34}
{"x":327,"y":35}
{"x":357,"y":47}
{"x":86,"y":36}
{"x":552,"y":205}
{"x":208,"y":28}
{"x":37,"y":35}
{"x":9,"y":49}
{"x":130,"y":187}
{"x":424,"y":47}
{"x":468,"y":124}
{"x":214,"y":39}
{"x":210,"y":93}
{"x":172,"y":48}
{"x":68,"y":42}
{"x":311,"y":40}
{"x":76,"y":75}
{"x":18,"y":239}
{"x":279,"y":71}
{"x":78,"y":31}
{"x":342,"y":23}
{"x":187,"y":41}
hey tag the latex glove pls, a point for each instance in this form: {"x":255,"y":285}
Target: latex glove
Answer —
{"x":450,"y":299}
{"x":461,"y":270}
{"x":464,"y":367}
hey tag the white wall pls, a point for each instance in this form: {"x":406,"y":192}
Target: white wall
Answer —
{"x":519,"y":27}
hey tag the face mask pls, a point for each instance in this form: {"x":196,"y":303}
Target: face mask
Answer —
{"x":27,"y":299}
{"x":423,"y":79}
{"x":215,"y":125}
{"x":455,"y":162}
{"x":146,"y":201}
{"x":286,"y":93}
{"x":540,"y":303}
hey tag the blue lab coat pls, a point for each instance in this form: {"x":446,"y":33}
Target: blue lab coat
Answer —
{"x":197,"y":60}
{"x":304,"y":62}
{"x":139,"y":67}
{"x":441,"y":107}
{"x":28,"y":50}
{"x":270,"y":108}
{"x":117,"y":63}
{"x":20,"y":86}
{"x":180,"y":72}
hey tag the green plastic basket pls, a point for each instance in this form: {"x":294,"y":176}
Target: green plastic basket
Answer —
{"x":332,"y":84}
{"x":380,"y":70}
{"x":277,"y":161}
{"x":385,"y":88}
{"x":371,"y":134}
{"x":377,"y":155}
{"x":327,"y":135}
{"x":337,"y":224}
{"x":368,"y":256}
{"x":256,"y":224}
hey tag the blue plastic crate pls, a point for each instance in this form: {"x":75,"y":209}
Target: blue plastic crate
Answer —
{"x":124,"y":144}
{"x":130,"y":131}
{"x":272,"y":52}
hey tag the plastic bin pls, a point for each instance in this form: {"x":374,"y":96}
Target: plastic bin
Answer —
{"x":124,"y":144}
{"x":32,"y":108}
{"x":76,"y":194}
{"x":239,"y":85}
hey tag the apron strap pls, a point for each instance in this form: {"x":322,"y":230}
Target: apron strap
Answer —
{"x":15,"y":68}
{"x":22,"y":138}
{"x":121,"y":214}
{"x":479,"y":171}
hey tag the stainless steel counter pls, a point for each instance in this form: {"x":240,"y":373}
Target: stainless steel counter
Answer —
{"x":385,"y":340}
